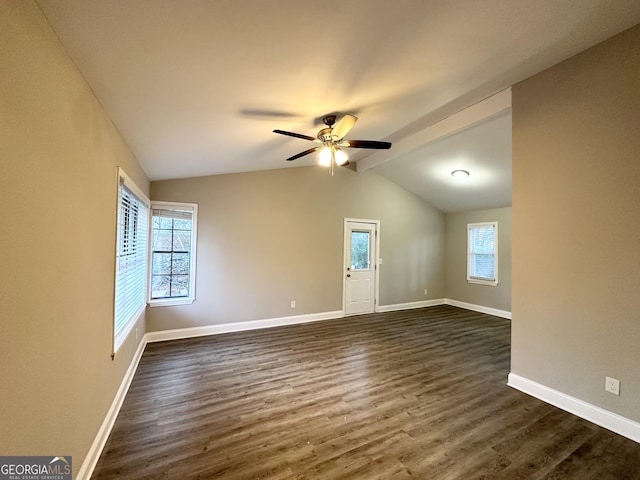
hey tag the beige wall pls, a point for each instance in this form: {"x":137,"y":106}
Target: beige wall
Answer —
{"x":576,"y":225}
{"x":266,"y":238}
{"x":59,"y":153}
{"x":456,"y":285}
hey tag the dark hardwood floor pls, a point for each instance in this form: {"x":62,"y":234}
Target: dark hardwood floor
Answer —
{"x":415,"y":394}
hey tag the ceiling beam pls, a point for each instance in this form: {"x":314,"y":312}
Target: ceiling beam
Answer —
{"x":472,"y":115}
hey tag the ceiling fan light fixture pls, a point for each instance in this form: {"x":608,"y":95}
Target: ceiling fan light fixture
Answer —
{"x":325,"y":157}
{"x":460,"y":175}
{"x":341,"y":157}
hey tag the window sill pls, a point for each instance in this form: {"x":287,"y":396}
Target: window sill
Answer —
{"x":168,"y":302}
{"x":478,"y":281}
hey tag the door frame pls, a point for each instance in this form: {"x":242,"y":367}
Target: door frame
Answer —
{"x":375,"y":261}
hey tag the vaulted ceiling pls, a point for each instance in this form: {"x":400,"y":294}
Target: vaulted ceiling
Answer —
{"x":197,"y":86}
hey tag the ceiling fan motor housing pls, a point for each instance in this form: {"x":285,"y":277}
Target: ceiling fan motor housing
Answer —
{"x":325,"y":135}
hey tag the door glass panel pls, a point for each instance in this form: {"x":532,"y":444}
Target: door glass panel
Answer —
{"x":360,"y":250}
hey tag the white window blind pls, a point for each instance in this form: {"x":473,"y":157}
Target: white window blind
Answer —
{"x":482,"y":260}
{"x":131,"y":258}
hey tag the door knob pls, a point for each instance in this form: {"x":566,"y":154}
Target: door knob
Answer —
{"x":348,"y":274}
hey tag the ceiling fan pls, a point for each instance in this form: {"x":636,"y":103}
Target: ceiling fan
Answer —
{"x":331,"y":140}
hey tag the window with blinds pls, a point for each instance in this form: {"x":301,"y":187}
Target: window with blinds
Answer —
{"x":131,"y":258}
{"x":482,"y":253}
{"x":173,"y":253}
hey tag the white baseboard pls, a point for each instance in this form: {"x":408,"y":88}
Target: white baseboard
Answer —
{"x":478,"y":308}
{"x":410,"y":305}
{"x":445,"y":301}
{"x":179,"y":333}
{"x":91,"y":460}
{"x":609,"y":420}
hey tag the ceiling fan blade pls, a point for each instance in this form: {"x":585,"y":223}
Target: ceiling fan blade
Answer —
{"x":343,"y":126}
{"x":297,"y":135}
{"x":366,"y":144}
{"x":302,"y":154}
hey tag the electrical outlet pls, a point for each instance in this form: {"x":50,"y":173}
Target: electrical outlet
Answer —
{"x":612,"y":385}
{"x":293,"y":304}
{"x":426,"y":292}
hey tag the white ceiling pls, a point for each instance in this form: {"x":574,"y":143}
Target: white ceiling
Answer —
{"x":197,"y":86}
{"x":483,"y":150}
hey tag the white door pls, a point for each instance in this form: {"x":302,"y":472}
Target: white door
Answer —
{"x":360,"y":264}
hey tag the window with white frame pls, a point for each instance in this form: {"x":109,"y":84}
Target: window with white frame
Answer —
{"x":131,"y":258}
{"x":482,"y":253}
{"x":173,"y":253}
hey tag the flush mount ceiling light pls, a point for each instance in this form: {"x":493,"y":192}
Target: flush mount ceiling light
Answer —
{"x":460,"y":175}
